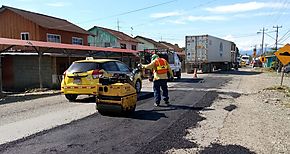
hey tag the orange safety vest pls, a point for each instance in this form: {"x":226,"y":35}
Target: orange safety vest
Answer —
{"x":161,"y":65}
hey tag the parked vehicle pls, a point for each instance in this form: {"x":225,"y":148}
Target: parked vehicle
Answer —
{"x":206,"y":53}
{"x":257,"y":63}
{"x":174,"y":61}
{"x":82,"y":77}
{"x":172,"y":58}
{"x":246,"y":59}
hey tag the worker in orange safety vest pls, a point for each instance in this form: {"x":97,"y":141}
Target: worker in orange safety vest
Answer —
{"x":160,"y":69}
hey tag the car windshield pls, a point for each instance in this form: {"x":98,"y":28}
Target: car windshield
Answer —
{"x":171,"y":58}
{"x":245,"y":58}
{"x":82,"y":67}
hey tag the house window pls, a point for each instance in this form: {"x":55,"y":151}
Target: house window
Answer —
{"x":123,"y":46}
{"x":76,"y":40}
{"x":53,"y":38}
{"x":133,"y":47}
{"x":24,"y":36}
{"x":107,"y":44}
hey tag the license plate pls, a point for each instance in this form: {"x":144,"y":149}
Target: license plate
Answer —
{"x":77,"y":81}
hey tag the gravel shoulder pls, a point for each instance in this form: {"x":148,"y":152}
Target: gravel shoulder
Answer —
{"x":254,"y":120}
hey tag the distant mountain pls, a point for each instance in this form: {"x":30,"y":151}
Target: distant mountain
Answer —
{"x":246,"y":52}
{"x":250,"y":52}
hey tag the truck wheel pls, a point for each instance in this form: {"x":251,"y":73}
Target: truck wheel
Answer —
{"x":71,"y":97}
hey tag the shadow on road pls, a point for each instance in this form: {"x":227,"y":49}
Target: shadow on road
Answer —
{"x":13,"y":99}
{"x":237,"y":72}
{"x":144,"y":95}
{"x":189,"y":80}
{"x":229,"y":149}
{"x":85,"y":100}
{"x":151,"y":115}
{"x":140,"y":96}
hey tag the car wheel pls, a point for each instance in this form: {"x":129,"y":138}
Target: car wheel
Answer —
{"x":138,"y":86}
{"x":71,"y":97}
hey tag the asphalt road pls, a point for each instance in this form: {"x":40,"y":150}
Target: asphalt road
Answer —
{"x":148,"y":130}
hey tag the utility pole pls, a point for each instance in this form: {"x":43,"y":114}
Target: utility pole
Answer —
{"x":263,"y":31}
{"x":118,"y":24}
{"x":277,"y":29}
{"x":276,"y":48}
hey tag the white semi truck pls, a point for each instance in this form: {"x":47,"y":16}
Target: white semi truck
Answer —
{"x":208,"y":53}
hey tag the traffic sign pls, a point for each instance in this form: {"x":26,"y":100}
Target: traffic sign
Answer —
{"x":263,"y":59}
{"x":283,"y":54}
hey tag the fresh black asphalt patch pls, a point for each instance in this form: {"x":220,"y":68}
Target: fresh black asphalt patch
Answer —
{"x":146,"y":131}
{"x":225,"y":149}
{"x":230,"y":107}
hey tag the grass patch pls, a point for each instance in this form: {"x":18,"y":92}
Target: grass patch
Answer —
{"x":287,"y":104}
{"x":264,"y":69}
{"x":284,"y":89}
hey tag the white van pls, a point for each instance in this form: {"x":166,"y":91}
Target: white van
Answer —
{"x":246,"y":59}
{"x":174,"y":61}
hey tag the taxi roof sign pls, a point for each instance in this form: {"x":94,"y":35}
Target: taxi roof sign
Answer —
{"x":283,"y":54}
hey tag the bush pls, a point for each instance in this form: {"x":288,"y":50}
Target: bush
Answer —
{"x":274,"y":65}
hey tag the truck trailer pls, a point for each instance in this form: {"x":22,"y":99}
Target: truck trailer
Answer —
{"x":208,"y":53}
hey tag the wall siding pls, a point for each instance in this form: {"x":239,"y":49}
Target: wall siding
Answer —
{"x":25,"y":70}
{"x":66,"y":37}
{"x":12,"y":25}
{"x":101,"y":38}
{"x":145,"y":45}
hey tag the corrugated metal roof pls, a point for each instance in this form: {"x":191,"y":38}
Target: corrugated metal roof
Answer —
{"x":16,"y":42}
{"x":47,"y":21}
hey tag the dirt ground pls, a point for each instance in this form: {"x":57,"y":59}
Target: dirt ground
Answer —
{"x":256,"y":119}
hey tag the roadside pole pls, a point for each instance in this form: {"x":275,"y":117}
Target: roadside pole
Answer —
{"x":282,"y":77}
{"x":0,"y":76}
{"x":39,"y":69}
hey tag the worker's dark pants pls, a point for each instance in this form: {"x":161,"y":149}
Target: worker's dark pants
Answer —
{"x":156,"y":87}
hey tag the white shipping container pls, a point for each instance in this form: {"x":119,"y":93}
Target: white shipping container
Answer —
{"x":207,"y":49}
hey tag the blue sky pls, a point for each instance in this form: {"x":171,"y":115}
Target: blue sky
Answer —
{"x":171,"y":20}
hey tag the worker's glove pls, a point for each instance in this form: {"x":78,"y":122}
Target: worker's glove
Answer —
{"x":139,"y":66}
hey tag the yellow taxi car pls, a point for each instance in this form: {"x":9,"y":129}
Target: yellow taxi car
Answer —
{"x":82,"y":77}
{"x":243,"y":63}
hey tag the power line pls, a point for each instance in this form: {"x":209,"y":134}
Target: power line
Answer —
{"x":284,"y":35}
{"x":159,"y":19}
{"x":133,"y":11}
{"x":245,"y":35}
{"x":270,"y":36}
{"x":123,"y":13}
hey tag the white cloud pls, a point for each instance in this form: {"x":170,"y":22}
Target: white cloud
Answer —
{"x":166,"y":14}
{"x":205,"y":18}
{"x":229,"y":38}
{"x":178,"y":22}
{"x":244,"y":7}
{"x":185,"y":19}
{"x":58,"y":4}
{"x":260,"y":14}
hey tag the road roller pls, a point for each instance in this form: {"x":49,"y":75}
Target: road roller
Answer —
{"x":117,"y":94}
